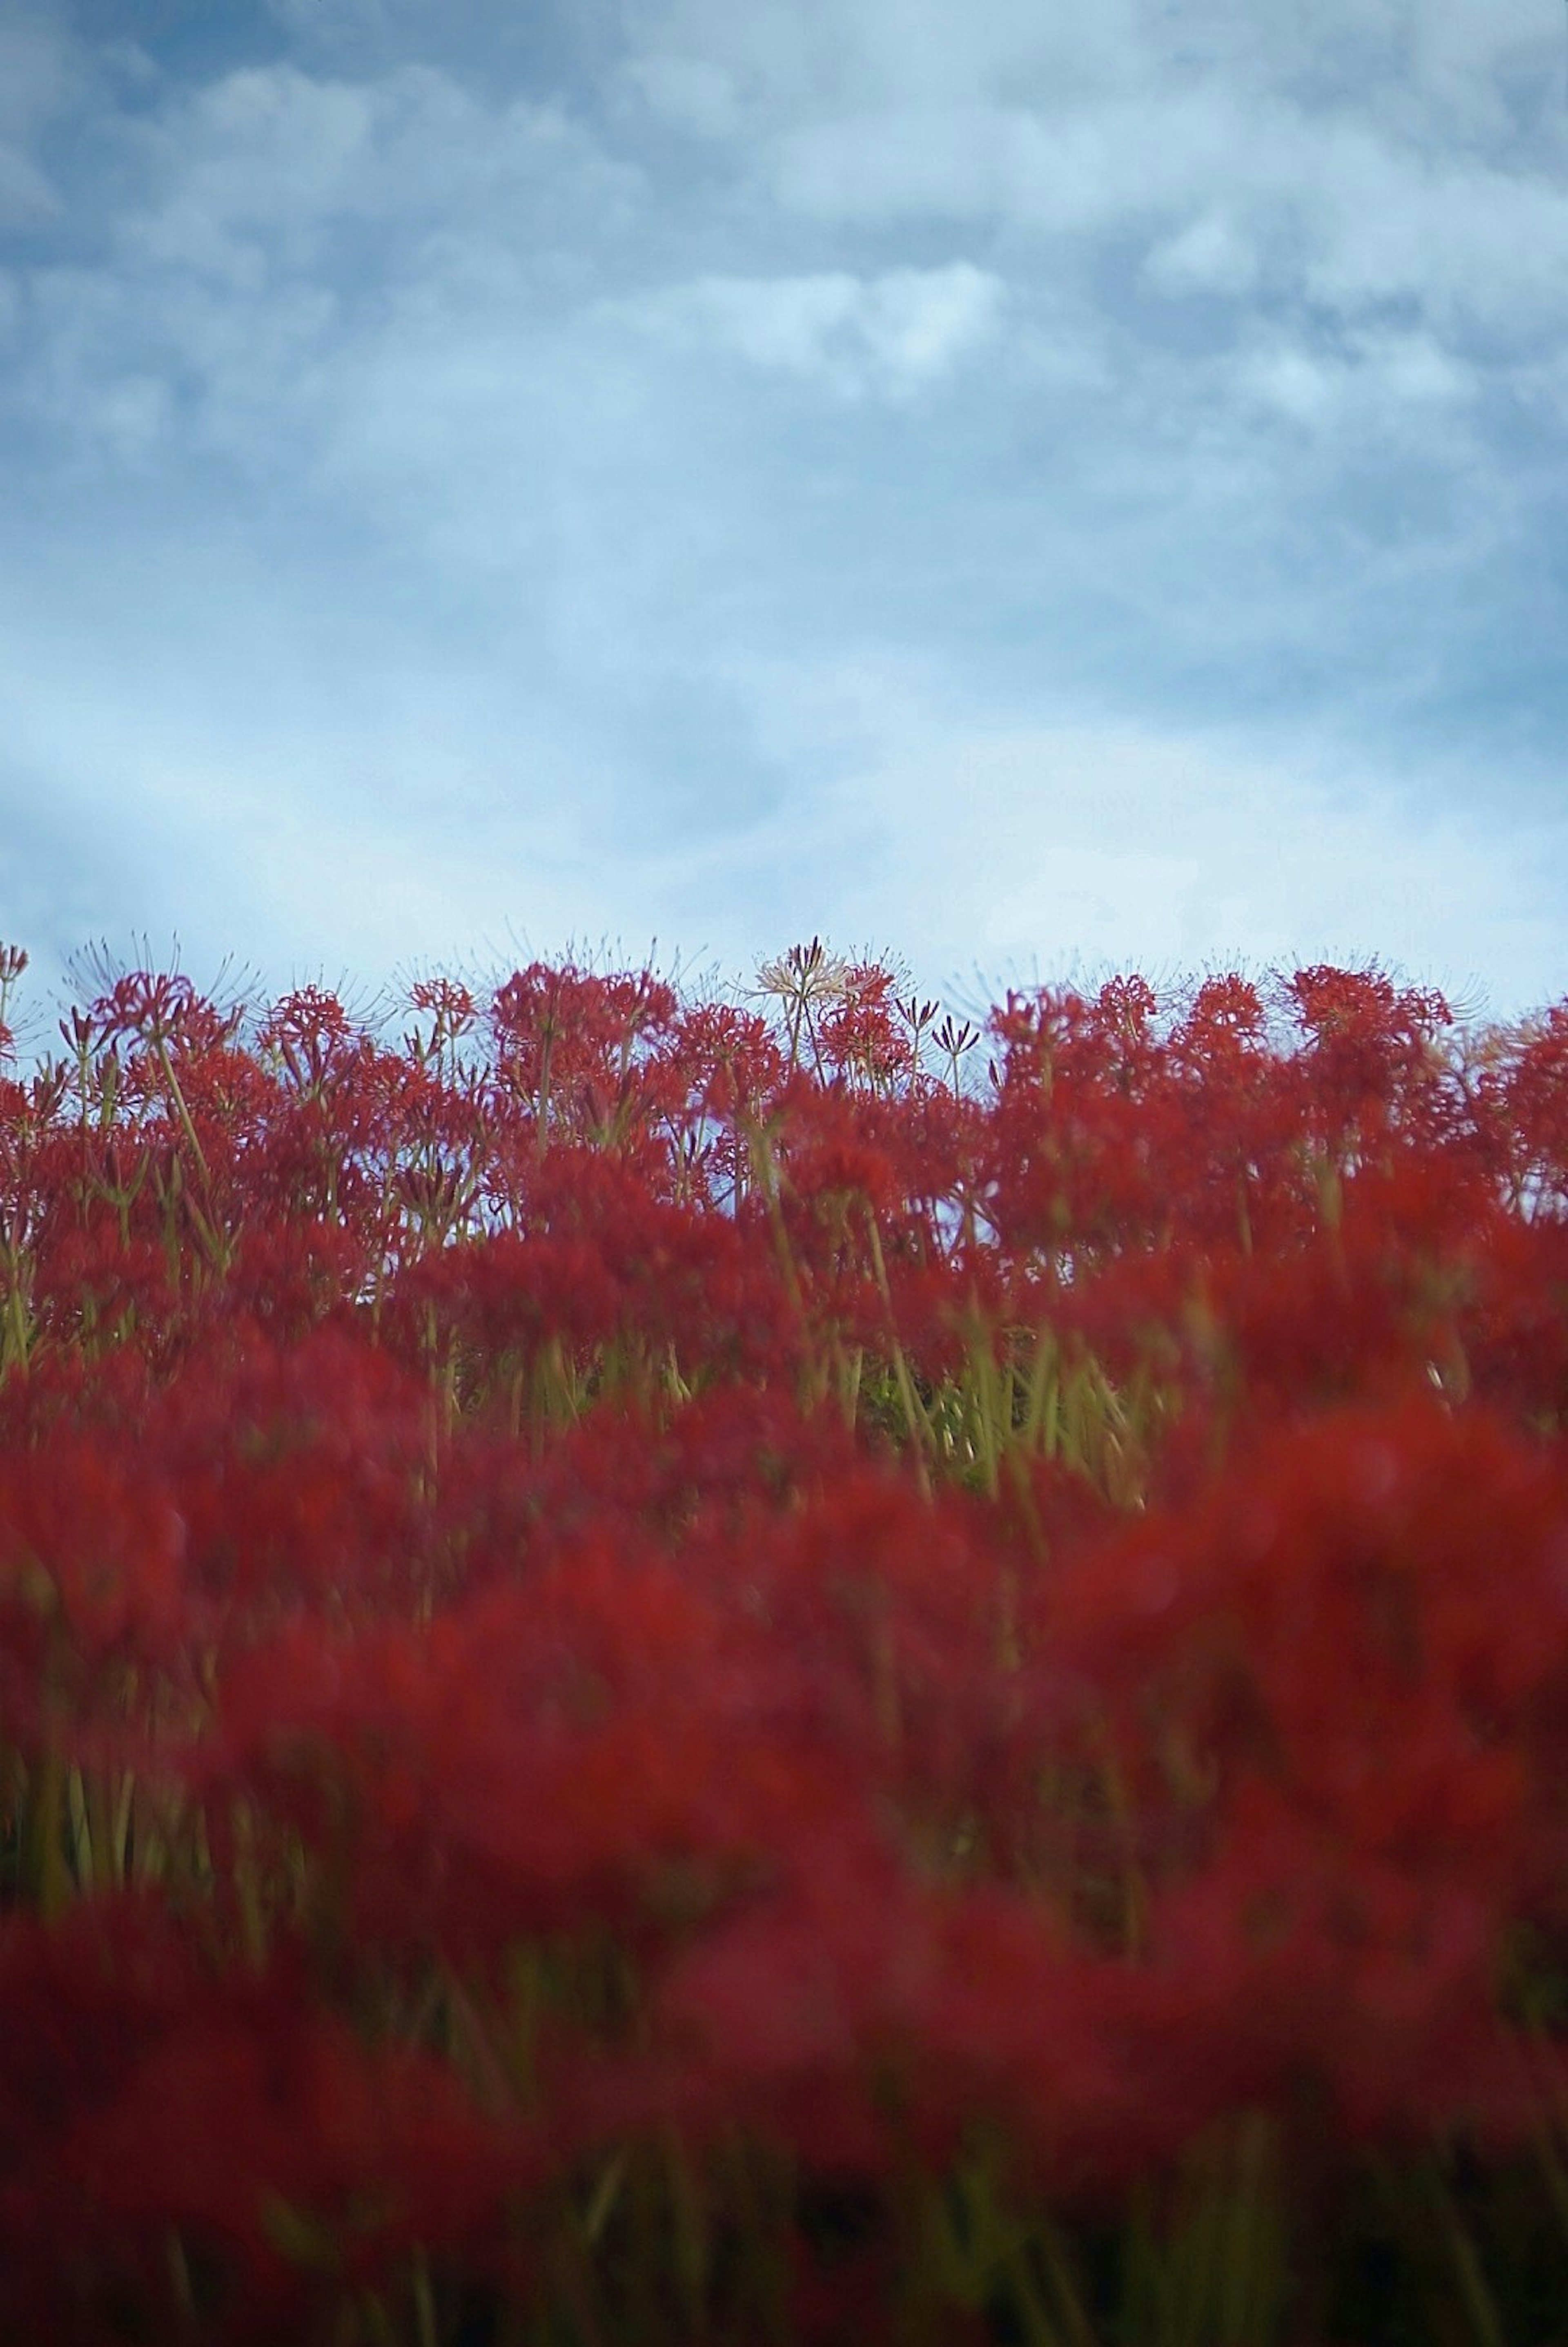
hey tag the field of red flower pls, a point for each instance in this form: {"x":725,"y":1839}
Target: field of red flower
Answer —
{"x":678,"y":1674}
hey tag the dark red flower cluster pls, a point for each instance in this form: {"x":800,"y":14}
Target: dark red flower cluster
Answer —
{"x":665,"y":1676}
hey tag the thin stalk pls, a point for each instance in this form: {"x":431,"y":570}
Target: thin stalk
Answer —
{"x":424,"y":2296}
{"x":44,"y":1860}
{"x":1041,"y":1427}
{"x":1075,"y":2327}
{"x":15,"y":1334}
{"x":919,"y":1425}
{"x":80,"y":1829}
{"x":1481,"y":2307}
{"x":765,"y":1172}
{"x":984,"y":1409}
{"x":172,"y":1081}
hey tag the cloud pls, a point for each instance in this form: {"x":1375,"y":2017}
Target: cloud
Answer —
{"x":34,"y":86}
{"x":792,"y":60}
{"x":1385,"y":153}
{"x":1022,"y":845}
{"x":1364,"y":378}
{"x":267,"y":164}
{"x":1003,"y":163}
{"x":246,"y":764}
{"x":1479,"y":248}
{"x":689,"y":94}
{"x":1226,"y":195}
{"x":1210,"y":255}
{"x":996,"y":478}
{"x":1452,"y":65}
{"x":895,"y":333}
{"x":25,"y":194}
{"x":290,"y":245}
{"x":331,"y":20}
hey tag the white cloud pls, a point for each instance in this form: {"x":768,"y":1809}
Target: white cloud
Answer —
{"x":423,"y":507}
{"x":1211,"y":255}
{"x":953,"y":162}
{"x":133,"y":415}
{"x":1371,"y":153}
{"x":34,"y":84}
{"x":1353,"y":219}
{"x":335,"y":20}
{"x":262,"y":150}
{"x":1413,"y":368}
{"x":26,"y":195}
{"x":1305,"y":388}
{"x":245,"y":777}
{"x":1026,"y":844}
{"x":1371,"y":377}
{"x":895,"y":333}
{"x":690,"y":94}
{"x":295,"y":245}
{"x":790,"y":60}
{"x":1450,"y":64}
{"x":270,"y":161}
{"x":988,"y":847}
{"x":918,"y":322}
{"x":1474,"y":245}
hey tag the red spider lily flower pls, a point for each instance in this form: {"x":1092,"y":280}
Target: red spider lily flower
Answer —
{"x":298,"y":1473}
{"x":1019,"y":2028}
{"x":555,"y":1027}
{"x":94,"y":1285}
{"x":893,"y":1604}
{"x":680,"y":1278}
{"x":732,"y":1059}
{"x":454,"y":1008}
{"x":295,"y":2166}
{"x":784,"y":2010}
{"x":1224,"y":1635}
{"x":1370,"y":1064}
{"x":823,"y":1163}
{"x":150,"y":1008}
{"x":858,"y":2016}
{"x":1367,"y":1315}
{"x":502,"y":1297}
{"x":286,"y":1278}
{"x":860,"y":1034}
{"x":1513,"y":1325}
{"x":1356,"y":2001}
{"x":1174,"y":1727}
{"x":840,"y":1157}
{"x":82,"y":1997}
{"x":1077,"y":1154}
{"x":532,"y":1761}
{"x":95,"y":1542}
{"x":936,"y":1315}
{"x":1225,"y":1019}
{"x":699,"y":1483}
{"x":1533,"y":1092}
{"x":312,"y":1033}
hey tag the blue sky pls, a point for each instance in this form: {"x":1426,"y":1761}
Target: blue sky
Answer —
{"x":1026,"y":488}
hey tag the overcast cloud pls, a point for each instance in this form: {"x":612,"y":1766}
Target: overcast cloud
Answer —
{"x":1022,"y":488}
